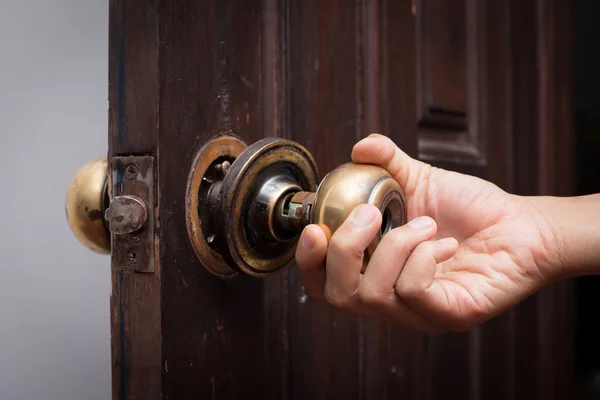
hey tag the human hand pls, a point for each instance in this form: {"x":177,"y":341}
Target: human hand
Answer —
{"x":469,"y":252}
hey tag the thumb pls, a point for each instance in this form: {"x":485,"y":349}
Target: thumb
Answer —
{"x":381,"y":150}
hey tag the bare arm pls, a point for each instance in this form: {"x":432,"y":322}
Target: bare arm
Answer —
{"x":573,"y":229}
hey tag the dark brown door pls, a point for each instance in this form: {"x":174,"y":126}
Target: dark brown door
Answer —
{"x":475,"y":86}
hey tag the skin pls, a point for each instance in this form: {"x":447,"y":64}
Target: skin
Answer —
{"x":469,"y":252}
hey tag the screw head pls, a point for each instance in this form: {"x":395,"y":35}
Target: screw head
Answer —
{"x":223,"y":167}
{"x":131,"y":172}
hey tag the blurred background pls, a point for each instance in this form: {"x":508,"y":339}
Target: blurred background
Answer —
{"x":54,"y":293}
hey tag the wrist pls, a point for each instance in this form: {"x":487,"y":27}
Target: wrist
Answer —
{"x":570,"y":232}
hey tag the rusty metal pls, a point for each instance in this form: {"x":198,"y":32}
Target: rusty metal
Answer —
{"x":131,"y":213}
{"x":267,"y":214}
{"x":246,"y":206}
{"x":340,"y":192}
{"x":298,"y":211}
{"x":126,"y":214}
{"x":263,"y":174}
{"x":131,"y":171}
{"x":203,"y":188}
{"x":85,"y":202}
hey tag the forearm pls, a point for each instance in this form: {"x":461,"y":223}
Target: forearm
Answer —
{"x":573,"y":233}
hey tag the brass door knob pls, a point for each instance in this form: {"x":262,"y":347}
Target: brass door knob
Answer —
{"x":247,"y":205}
{"x":86,"y":202}
{"x":94,"y":214}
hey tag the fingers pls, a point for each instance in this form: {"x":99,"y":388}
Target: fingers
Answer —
{"x":377,"y":287}
{"x":417,"y":284}
{"x":310,"y":260}
{"x":393,"y":251}
{"x":397,"y":284}
{"x":381,"y":150}
{"x":346,"y":253}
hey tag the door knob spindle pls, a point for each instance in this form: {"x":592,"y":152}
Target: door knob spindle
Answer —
{"x":245,"y":205}
{"x":255,"y":209}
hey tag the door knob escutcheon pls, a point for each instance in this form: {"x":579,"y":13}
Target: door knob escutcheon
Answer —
{"x":246,"y":206}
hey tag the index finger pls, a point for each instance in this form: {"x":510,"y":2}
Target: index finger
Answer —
{"x":310,"y":260}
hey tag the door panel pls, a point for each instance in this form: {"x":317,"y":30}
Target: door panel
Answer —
{"x":324,"y":116}
{"x":478,"y":362}
{"x":451,"y":79}
{"x":213,"y":330}
{"x":135,"y":300}
{"x":451,"y":82}
{"x":342,"y":85}
{"x":442,"y":58}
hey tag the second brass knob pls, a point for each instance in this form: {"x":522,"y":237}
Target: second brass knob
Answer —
{"x":87,"y":198}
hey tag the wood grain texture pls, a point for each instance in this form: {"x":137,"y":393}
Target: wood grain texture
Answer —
{"x":494,"y":358}
{"x":276,"y":290}
{"x":398,"y":365}
{"x":524,"y":72}
{"x":442,"y":58}
{"x":210,"y":84}
{"x":555,"y":172}
{"x":543,"y":165}
{"x":450,"y":49}
{"x":327,"y":73}
{"x":324,"y":103}
{"x":133,"y":117}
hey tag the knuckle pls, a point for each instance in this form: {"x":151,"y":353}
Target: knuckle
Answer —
{"x":410,"y":289}
{"x":370,"y":297}
{"x":335,"y":298}
{"x":405,"y":240}
{"x":399,"y":238}
{"x":424,"y":248}
{"x":371,"y":294}
{"x":387,"y":149}
{"x":345,"y":249}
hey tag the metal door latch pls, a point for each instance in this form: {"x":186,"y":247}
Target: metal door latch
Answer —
{"x":114,"y":212}
{"x":130,"y":214}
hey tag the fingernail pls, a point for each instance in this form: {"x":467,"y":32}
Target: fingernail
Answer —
{"x":308,"y":241}
{"x":421,"y":223}
{"x":363,"y":216}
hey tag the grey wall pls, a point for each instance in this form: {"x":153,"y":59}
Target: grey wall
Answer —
{"x":54,"y":294}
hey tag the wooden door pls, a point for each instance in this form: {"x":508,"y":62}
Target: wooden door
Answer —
{"x":471,"y":85}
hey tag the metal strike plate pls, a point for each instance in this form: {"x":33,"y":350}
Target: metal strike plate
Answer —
{"x":132,"y":190}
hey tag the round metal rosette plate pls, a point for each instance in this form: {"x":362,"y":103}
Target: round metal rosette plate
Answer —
{"x":268,"y":162}
{"x":203,"y":180}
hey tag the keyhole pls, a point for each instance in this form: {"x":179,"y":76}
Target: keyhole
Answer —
{"x":386,"y":221}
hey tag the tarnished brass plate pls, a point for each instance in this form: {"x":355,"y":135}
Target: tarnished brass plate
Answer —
{"x":198,"y":212}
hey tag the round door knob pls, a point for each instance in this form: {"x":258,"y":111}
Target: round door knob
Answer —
{"x":247,"y":205}
{"x":86,"y":202}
